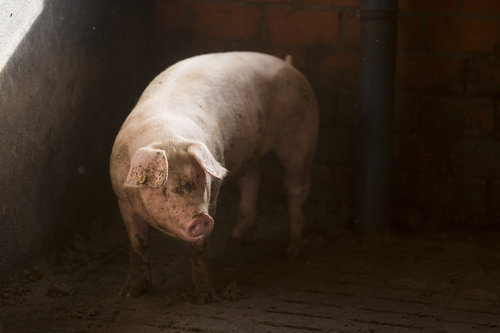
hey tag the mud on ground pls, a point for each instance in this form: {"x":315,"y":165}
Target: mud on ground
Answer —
{"x":446,"y":282}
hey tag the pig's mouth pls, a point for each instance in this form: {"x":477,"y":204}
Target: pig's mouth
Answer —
{"x":182,"y":234}
{"x":179,"y":233}
{"x":192,"y":239}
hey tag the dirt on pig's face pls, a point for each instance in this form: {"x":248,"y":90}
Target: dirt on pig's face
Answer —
{"x":185,"y":195}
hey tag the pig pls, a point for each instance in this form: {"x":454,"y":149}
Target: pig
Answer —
{"x":202,"y":119}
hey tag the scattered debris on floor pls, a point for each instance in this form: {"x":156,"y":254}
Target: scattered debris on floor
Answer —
{"x":342,"y":283}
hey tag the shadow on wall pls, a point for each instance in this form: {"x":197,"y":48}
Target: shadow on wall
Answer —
{"x":65,"y":90}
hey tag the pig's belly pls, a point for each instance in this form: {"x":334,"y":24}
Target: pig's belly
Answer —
{"x":244,"y":147}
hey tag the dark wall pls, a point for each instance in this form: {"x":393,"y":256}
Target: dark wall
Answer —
{"x":446,"y":144}
{"x":64,"y":94}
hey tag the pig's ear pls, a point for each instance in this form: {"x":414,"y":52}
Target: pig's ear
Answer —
{"x":207,"y":161}
{"x":149,"y":167}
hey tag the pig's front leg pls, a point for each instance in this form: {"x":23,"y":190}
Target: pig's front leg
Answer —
{"x":139,"y":275}
{"x":200,"y":272}
{"x":199,"y":257}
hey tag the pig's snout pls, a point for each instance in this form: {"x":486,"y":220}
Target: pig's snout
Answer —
{"x":201,"y":225}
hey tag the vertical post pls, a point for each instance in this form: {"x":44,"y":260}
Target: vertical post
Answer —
{"x":378,"y":56}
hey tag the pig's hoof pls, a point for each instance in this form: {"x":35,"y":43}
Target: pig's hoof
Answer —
{"x":242,"y":239}
{"x":126,"y":292}
{"x":242,"y":233}
{"x":207,"y":297}
{"x":133,"y":290}
{"x":295,"y":249}
{"x":235,"y":241}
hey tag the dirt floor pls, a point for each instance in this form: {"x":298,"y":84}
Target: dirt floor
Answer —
{"x":447,"y":282}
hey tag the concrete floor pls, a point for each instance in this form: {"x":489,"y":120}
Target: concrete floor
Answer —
{"x":383,"y":283}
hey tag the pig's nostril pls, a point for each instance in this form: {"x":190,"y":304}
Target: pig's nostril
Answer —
{"x":200,"y":226}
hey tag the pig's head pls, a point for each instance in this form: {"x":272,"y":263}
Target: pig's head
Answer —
{"x":175,"y":191}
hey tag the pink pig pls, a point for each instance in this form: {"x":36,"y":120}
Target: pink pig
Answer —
{"x":199,"y":120}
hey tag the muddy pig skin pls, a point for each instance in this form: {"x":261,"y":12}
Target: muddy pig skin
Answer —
{"x":202,"y":119}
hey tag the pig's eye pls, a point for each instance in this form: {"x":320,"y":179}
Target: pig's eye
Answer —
{"x":198,"y":178}
{"x":198,"y":175}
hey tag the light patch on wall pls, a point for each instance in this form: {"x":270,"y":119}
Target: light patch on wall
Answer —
{"x":16,"y":19}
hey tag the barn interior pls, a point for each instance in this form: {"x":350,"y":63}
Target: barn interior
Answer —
{"x":404,"y":207}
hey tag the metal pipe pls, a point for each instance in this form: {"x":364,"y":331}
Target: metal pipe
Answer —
{"x":378,"y":57}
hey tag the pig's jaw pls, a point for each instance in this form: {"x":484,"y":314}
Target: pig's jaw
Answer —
{"x":181,"y":234}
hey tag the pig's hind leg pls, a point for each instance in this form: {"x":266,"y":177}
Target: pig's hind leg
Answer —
{"x":297,"y":187}
{"x":297,"y":162}
{"x":249,"y":191}
{"x":139,"y":275}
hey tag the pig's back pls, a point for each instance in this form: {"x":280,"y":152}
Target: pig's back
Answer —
{"x":235,"y":102}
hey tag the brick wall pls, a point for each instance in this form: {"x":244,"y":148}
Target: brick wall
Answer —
{"x":448,"y":73}
{"x":446,"y":147}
